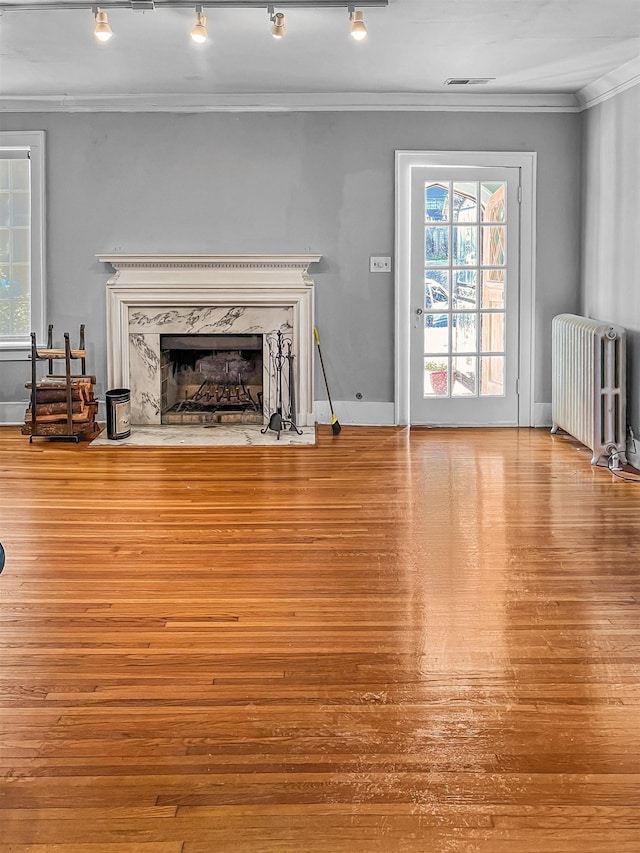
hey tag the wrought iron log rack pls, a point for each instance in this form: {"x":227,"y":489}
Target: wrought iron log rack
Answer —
{"x":67,"y":430}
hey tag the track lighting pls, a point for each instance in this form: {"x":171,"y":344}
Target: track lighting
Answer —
{"x":102,"y":30}
{"x":103,"y":33}
{"x":358,"y":26}
{"x":199,"y":31}
{"x":278,"y":30}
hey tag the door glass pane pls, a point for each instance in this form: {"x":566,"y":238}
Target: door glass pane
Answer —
{"x":436,"y":290}
{"x":436,"y":332}
{"x":465,"y":201}
{"x":464,"y":290}
{"x":493,"y":288}
{"x":464,"y":377}
{"x":465,"y":245}
{"x":492,"y":338}
{"x":492,"y":376}
{"x":436,"y":207}
{"x":436,"y":377}
{"x":436,"y":246}
{"x":493,"y":243}
{"x":493,"y":202}
{"x":464,"y":333}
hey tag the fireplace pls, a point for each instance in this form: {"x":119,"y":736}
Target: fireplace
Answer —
{"x":209,"y":379}
{"x":153,"y":296}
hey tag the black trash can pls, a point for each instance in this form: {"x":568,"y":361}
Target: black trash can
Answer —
{"x":118,"y":413}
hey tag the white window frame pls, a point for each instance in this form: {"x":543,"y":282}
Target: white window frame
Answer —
{"x":406,"y":161}
{"x":33,"y":142}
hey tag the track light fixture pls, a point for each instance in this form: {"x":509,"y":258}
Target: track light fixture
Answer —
{"x":102,"y":30}
{"x":278,"y":30}
{"x":199,"y":31}
{"x":358,"y":26}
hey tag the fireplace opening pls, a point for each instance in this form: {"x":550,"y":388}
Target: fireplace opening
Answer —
{"x":211,"y":379}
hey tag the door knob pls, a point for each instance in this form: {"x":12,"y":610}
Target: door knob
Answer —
{"x":419,"y":311}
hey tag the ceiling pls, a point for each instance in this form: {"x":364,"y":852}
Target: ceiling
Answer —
{"x":531,"y":47}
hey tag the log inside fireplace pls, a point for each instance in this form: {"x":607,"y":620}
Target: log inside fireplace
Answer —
{"x":211,"y":379}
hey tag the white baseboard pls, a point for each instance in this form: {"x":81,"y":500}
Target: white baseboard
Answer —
{"x":347,"y":412}
{"x":12,"y":414}
{"x":355,"y":413}
{"x":383,"y":414}
{"x":542,"y":414}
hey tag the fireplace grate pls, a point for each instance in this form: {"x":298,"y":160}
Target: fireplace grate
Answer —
{"x":209,"y":379}
{"x":215,"y":396}
{"x":218,"y":403}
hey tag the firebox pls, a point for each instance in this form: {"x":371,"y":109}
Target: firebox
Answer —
{"x":209,"y":379}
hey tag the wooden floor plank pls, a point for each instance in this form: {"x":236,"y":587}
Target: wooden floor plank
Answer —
{"x":389,"y":641}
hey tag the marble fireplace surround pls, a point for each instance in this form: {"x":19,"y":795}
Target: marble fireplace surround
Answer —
{"x":150,"y":295}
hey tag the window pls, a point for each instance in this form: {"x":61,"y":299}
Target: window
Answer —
{"x":21,"y":238}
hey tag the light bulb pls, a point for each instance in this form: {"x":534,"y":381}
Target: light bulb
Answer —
{"x":199,"y":31}
{"x":358,"y":26}
{"x":102,"y":30}
{"x":278,"y":30}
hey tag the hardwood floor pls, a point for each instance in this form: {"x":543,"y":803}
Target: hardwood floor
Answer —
{"x":387,"y":642}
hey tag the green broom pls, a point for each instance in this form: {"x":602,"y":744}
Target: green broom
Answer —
{"x":335,"y":423}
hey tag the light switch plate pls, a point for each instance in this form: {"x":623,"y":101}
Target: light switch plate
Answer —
{"x":378,"y":264}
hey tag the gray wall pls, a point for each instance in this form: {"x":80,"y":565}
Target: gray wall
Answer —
{"x":292,"y":182}
{"x":611,"y":217}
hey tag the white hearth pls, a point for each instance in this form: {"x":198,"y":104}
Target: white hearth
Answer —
{"x":150,"y":295}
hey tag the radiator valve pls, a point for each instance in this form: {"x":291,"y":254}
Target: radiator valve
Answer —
{"x":614,"y":454}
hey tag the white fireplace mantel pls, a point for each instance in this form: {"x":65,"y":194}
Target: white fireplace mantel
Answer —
{"x":259,"y":268}
{"x":146,"y":289}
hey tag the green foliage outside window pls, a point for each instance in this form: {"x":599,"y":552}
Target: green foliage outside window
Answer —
{"x":15,"y":229}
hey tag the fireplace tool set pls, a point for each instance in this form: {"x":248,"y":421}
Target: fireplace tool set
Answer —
{"x":281,"y":394}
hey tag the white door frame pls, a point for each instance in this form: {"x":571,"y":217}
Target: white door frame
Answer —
{"x":406,"y":161}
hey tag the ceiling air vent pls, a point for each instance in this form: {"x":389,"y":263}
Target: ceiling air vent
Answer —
{"x":468,"y":81}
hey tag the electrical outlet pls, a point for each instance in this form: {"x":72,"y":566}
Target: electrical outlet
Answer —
{"x":379,"y":264}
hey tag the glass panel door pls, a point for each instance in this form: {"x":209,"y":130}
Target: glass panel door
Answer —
{"x":464,"y":343}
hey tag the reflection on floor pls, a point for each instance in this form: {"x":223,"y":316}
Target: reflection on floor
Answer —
{"x":219,"y":435}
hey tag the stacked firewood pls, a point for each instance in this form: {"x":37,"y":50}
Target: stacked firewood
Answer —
{"x":55,"y":400}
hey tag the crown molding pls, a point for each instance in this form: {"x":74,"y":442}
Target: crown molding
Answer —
{"x":609,"y":85}
{"x":292,"y":102}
